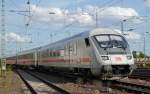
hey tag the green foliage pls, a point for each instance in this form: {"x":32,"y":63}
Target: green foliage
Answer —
{"x":9,"y":67}
{"x":148,"y":65}
{"x":141,"y":55}
{"x":134,"y":54}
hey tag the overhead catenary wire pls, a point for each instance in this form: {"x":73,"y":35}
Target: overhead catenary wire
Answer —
{"x":108,"y":3}
{"x":70,"y":24}
{"x":14,"y":4}
{"x":62,"y":29}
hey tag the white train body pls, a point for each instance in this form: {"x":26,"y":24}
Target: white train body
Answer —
{"x":101,"y":52}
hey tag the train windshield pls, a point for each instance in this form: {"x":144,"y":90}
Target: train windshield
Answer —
{"x":111,"y":41}
{"x":112,"y":44}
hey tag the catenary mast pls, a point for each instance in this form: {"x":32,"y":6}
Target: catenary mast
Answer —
{"x":3,"y":38}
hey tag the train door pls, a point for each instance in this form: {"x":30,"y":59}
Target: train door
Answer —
{"x":75,"y":52}
{"x":71,"y":48}
{"x":35,"y":59}
{"x":70,"y":53}
{"x":67,"y":55}
{"x":38,"y":58}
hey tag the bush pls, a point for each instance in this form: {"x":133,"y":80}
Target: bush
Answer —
{"x":9,"y":67}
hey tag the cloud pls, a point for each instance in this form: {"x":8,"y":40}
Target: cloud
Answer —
{"x":119,"y":12}
{"x":82,"y":18}
{"x":112,"y":12}
{"x":57,"y":15}
{"x":79,"y":1}
{"x":11,"y":36}
{"x":130,"y":34}
{"x":147,"y":3}
{"x":79,"y":17}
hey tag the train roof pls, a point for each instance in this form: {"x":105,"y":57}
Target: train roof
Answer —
{"x":82,"y":35}
{"x":28,"y":51}
{"x":99,"y":31}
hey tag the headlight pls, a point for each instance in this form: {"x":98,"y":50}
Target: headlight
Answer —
{"x":105,"y":58}
{"x":129,"y":57}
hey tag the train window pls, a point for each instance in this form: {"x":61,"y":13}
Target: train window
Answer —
{"x":53,"y":53}
{"x":87,"y":42}
{"x":75,"y":48}
{"x":62,"y":52}
{"x":47,"y":53}
{"x":50,"y":53}
{"x":66,"y":50}
{"x":58,"y":53}
{"x":44,"y":53}
{"x":71,"y":49}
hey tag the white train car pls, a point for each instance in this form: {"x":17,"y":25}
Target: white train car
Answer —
{"x":100,"y":52}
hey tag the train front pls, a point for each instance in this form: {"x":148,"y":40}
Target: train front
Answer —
{"x":113,"y":54}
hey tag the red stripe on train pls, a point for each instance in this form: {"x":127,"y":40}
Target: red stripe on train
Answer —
{"x":49,"y":60}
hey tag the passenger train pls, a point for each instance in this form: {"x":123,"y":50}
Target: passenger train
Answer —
{"x":101,"y":52}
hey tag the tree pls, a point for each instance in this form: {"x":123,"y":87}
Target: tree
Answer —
{"x":134,"y":54}
{"x":141,"y":55}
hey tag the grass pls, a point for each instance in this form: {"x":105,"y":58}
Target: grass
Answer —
{"x":9,"y":84}
{"x":6,"y":83}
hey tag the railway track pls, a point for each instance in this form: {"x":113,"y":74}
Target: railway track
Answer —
{"x":138,"y":76}
{"x":141,"y":74}
{"x":68,"y":82}
{"x":38,"y":85}
{"x":116,"y":84}
{"x":131,"y":87}
{"x":92,"y":83}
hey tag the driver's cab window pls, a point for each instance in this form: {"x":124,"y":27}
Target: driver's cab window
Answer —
{"x":103,"y":40}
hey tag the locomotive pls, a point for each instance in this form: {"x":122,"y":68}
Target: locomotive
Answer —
{"x":100,"y":52}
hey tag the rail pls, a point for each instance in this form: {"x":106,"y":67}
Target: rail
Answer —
{"x":49,"y":83}
{"x":133,"y":87}
{"x":26,"y":83}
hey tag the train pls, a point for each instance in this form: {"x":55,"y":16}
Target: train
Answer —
{"x":100,"y":52}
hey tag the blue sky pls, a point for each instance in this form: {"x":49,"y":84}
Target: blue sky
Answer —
{"x":72,"y":17}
